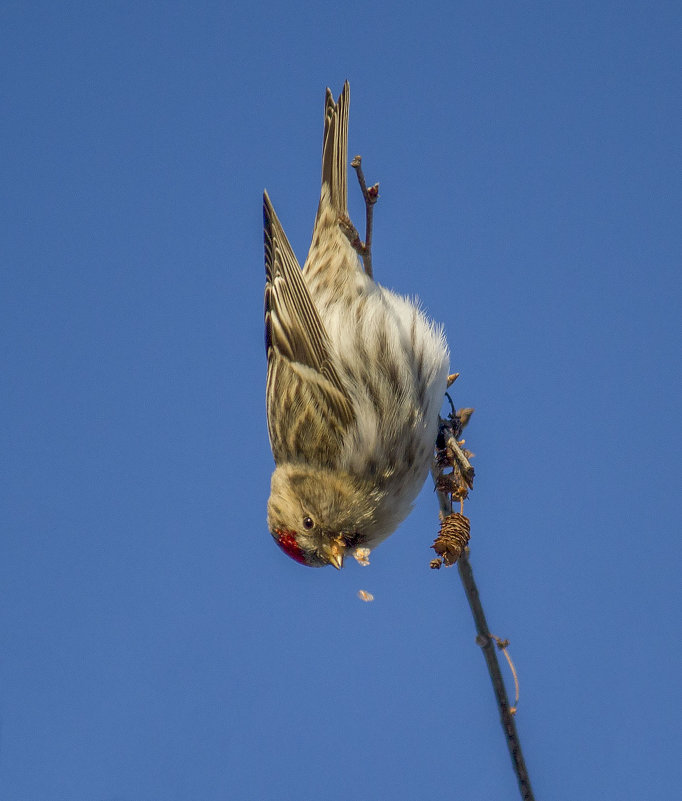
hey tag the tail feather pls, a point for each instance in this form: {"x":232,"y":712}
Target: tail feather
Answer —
{"x":335,"y":149}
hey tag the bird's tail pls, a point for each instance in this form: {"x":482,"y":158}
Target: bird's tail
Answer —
{"x":335,"y":152}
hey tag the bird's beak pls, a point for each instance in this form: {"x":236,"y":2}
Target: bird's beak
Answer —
{"x":336,"y":553}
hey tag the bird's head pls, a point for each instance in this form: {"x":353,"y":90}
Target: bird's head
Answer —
{"x":315,"y":515}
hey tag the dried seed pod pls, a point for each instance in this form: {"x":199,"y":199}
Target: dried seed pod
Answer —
{"x":452,"y":538}
{"x":447,"y":483}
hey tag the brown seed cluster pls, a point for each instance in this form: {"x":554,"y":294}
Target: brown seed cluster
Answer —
{"x":454,"y":477}
{"x":451,"y":541}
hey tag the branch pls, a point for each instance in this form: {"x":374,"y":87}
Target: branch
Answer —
{"x":371,"y":195}
{"x":451,"y":547}
{"x":485,"y":640}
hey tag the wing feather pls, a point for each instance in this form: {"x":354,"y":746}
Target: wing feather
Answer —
{"x":308,"y":407}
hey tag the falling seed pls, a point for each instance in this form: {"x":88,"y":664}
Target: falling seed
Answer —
{"x":361,"y":556}
{"x":363,"y":595}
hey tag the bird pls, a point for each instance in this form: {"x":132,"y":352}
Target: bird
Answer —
{"x":356,"y":376}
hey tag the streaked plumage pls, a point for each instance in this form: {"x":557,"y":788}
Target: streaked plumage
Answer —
{"x":356,"y":376}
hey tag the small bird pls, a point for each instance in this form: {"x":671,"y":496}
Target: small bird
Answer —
{"x":355,"y":380}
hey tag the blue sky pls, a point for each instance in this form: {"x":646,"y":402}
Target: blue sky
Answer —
{"x":155,"y":645}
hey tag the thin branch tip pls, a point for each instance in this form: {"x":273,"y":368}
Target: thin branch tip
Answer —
{"x":453,"y":477}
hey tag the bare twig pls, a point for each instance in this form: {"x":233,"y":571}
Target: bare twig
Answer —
{"x":450,"y":453}
{"x":487,"y":643}
{"x":371,"y":195}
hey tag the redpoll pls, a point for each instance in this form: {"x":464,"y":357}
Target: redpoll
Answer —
{"x":356,"y":378}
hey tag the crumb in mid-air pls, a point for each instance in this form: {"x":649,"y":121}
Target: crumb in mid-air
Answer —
{"x":363,"y":595}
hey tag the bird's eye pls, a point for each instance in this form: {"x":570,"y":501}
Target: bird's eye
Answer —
{"x":308,"y":522}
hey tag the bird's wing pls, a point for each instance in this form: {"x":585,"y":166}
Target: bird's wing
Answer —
{"x":308,"y":407}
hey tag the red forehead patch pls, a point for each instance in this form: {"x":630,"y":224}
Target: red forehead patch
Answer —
{"x":288,"y":543}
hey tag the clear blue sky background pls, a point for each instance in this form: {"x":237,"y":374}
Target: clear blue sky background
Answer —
{"x":155,"y":645}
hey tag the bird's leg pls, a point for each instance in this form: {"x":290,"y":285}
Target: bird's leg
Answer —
{"x":371,"y":195}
